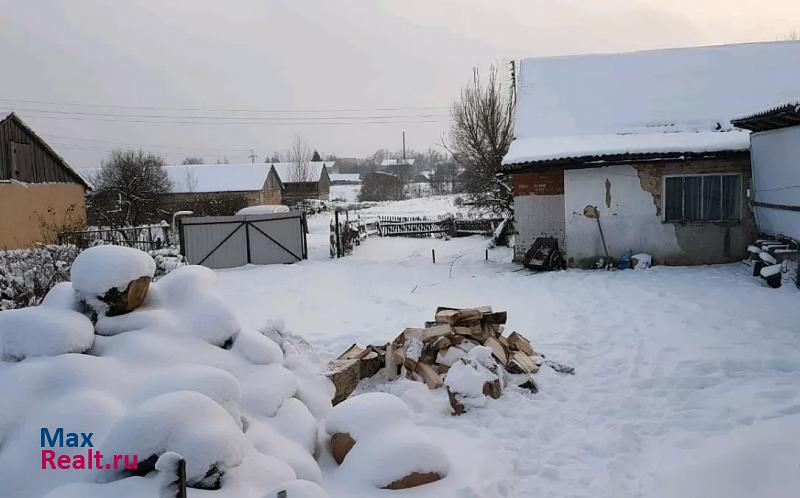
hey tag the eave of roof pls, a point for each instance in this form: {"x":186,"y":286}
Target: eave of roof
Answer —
{"x":783,"y":116}
{"x":612,"y":159}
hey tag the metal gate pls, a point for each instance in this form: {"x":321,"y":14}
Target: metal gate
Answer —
{"x":231,"y":241}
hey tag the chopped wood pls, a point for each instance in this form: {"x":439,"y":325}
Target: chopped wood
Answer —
{"x":522,"y":363}
{"x":433,"y":333}
{"x":493,"y":389}
{"x":351,"y":353}
{"x":528,"y":383}
{"x":341,"y":444}
{"x":370,"y":364}
{"x":519,"y":343}
{"x":413,"y":480}
{"x":495,"y":318}
{"x":345,"y":375}
{"x":458,"y":316}
{"x":413,"y":332}
{"x":560,"y":368}
{"x":442,"y":369}
{"x":429,"y":375}
{"x":498,"y":351}
{"x":394,"y":359}
{"x":455,"y":405}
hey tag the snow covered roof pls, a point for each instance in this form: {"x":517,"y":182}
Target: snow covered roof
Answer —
{"x":653,"y":102}
{"x":397,"y":162}
{"x":315,"y":169}
{"x":782,"y":116}
{"x":345,"y":177}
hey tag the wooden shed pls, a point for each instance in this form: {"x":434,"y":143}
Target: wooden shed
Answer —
{"x":39,"y":191}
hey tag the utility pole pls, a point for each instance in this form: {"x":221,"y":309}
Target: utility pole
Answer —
{"x":253,"y":156}
{"x":404,"y":147}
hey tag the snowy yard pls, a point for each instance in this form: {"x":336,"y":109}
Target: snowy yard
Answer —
{"x":688,"y":379}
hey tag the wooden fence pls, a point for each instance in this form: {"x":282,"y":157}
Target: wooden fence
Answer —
{"x":442,"y":226}
{"x":145,"y":238}
{"x":347,"y":233}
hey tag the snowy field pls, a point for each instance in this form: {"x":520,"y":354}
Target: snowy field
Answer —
{"x":687,"y":384}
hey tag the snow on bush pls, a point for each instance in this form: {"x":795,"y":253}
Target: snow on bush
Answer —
{"x":62,"y":296}
{"x":26,"y":275}
{"x":183,"y":302}
{"x":43,"y":331}
{"x":366,"y":414}
{"x":166,"y":377}
{"x":99,"y":269}
{"x":185,"y":422}
{"x":389,"y":446}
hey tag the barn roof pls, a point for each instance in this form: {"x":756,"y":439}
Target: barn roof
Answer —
{"x":315,"y":169}
{"x":60,"y":160}
{"x":654,"y":103}
{"x":398,"y":162}
{"x":782,"y":116}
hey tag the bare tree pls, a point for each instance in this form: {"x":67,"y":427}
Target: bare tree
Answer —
{"x":300,"y":157}
{"x":191,"y":180}
{"x":127,"y":188}
{"x":481,"y":130}
{"x":194,"y":160}
{"x":792,"y":36}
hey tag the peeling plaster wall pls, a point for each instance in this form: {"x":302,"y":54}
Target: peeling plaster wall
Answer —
{"x":628,"y":216}
{"x":628,"y":200}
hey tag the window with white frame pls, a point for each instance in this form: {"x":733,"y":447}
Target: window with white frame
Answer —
{"x":702,"y":198}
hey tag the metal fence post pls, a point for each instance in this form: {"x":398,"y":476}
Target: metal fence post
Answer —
{"x":181,"y":479}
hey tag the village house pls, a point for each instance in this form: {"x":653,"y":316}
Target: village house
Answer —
{"x":308,"y":182}
{"x":39,"y":192}
{"x":636,"y":151}
{"x":775,"y":149}
{"x":242,"y":185}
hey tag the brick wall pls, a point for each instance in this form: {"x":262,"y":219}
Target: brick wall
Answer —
{"x":548,"y":182}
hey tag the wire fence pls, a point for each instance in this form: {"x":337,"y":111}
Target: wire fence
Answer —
{"x":145,"y":237}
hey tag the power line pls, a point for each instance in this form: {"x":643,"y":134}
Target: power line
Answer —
{"x":240,"y":123}
{"x":223,"y":109}
{"x":227,"y":118}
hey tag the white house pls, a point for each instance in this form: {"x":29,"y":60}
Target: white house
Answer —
{"x":644,"y":140}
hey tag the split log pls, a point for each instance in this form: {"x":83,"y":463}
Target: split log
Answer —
{"x":121,"y":302}
{"x":433,"y":333}
{"x":351,"y":353}
{"x":493,"y":389}
{"x":429,"y":375}
{"x":455,"y":404}
{"x":341,"y":444}
{"x":345,"y":375}
{"x":519,"y":343}
{"x":497,"y":318}
{"x":413,"y":480}
{"x":458,"y":316}
{"x":522,"y":363}
{"x":370,"y":364}
{"x":498,"y":351}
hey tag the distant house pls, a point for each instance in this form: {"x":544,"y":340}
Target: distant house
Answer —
{"x":309,"y":182}
{"x":39,"y":191}
{"x":203,"y":183}
{"x":401,"y":167}
{"x":259,"y":183}
{"x":775,"y":149}
{"x":345,"y":178}
{"x":646,"y":139}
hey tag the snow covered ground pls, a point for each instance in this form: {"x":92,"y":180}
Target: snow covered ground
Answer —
{"x":687,"y":384}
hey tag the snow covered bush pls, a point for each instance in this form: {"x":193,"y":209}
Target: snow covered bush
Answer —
{"x":386,"y":449}
{"x":167,"y":259}
{"x":43,"y":331}
{"x":178,"y":377}
{"x":26,"y":275}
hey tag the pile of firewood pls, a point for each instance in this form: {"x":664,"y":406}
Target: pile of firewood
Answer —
{"x":426,"y":354}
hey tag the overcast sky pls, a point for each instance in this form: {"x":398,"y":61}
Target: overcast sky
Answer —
{"x":218,"y":78}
